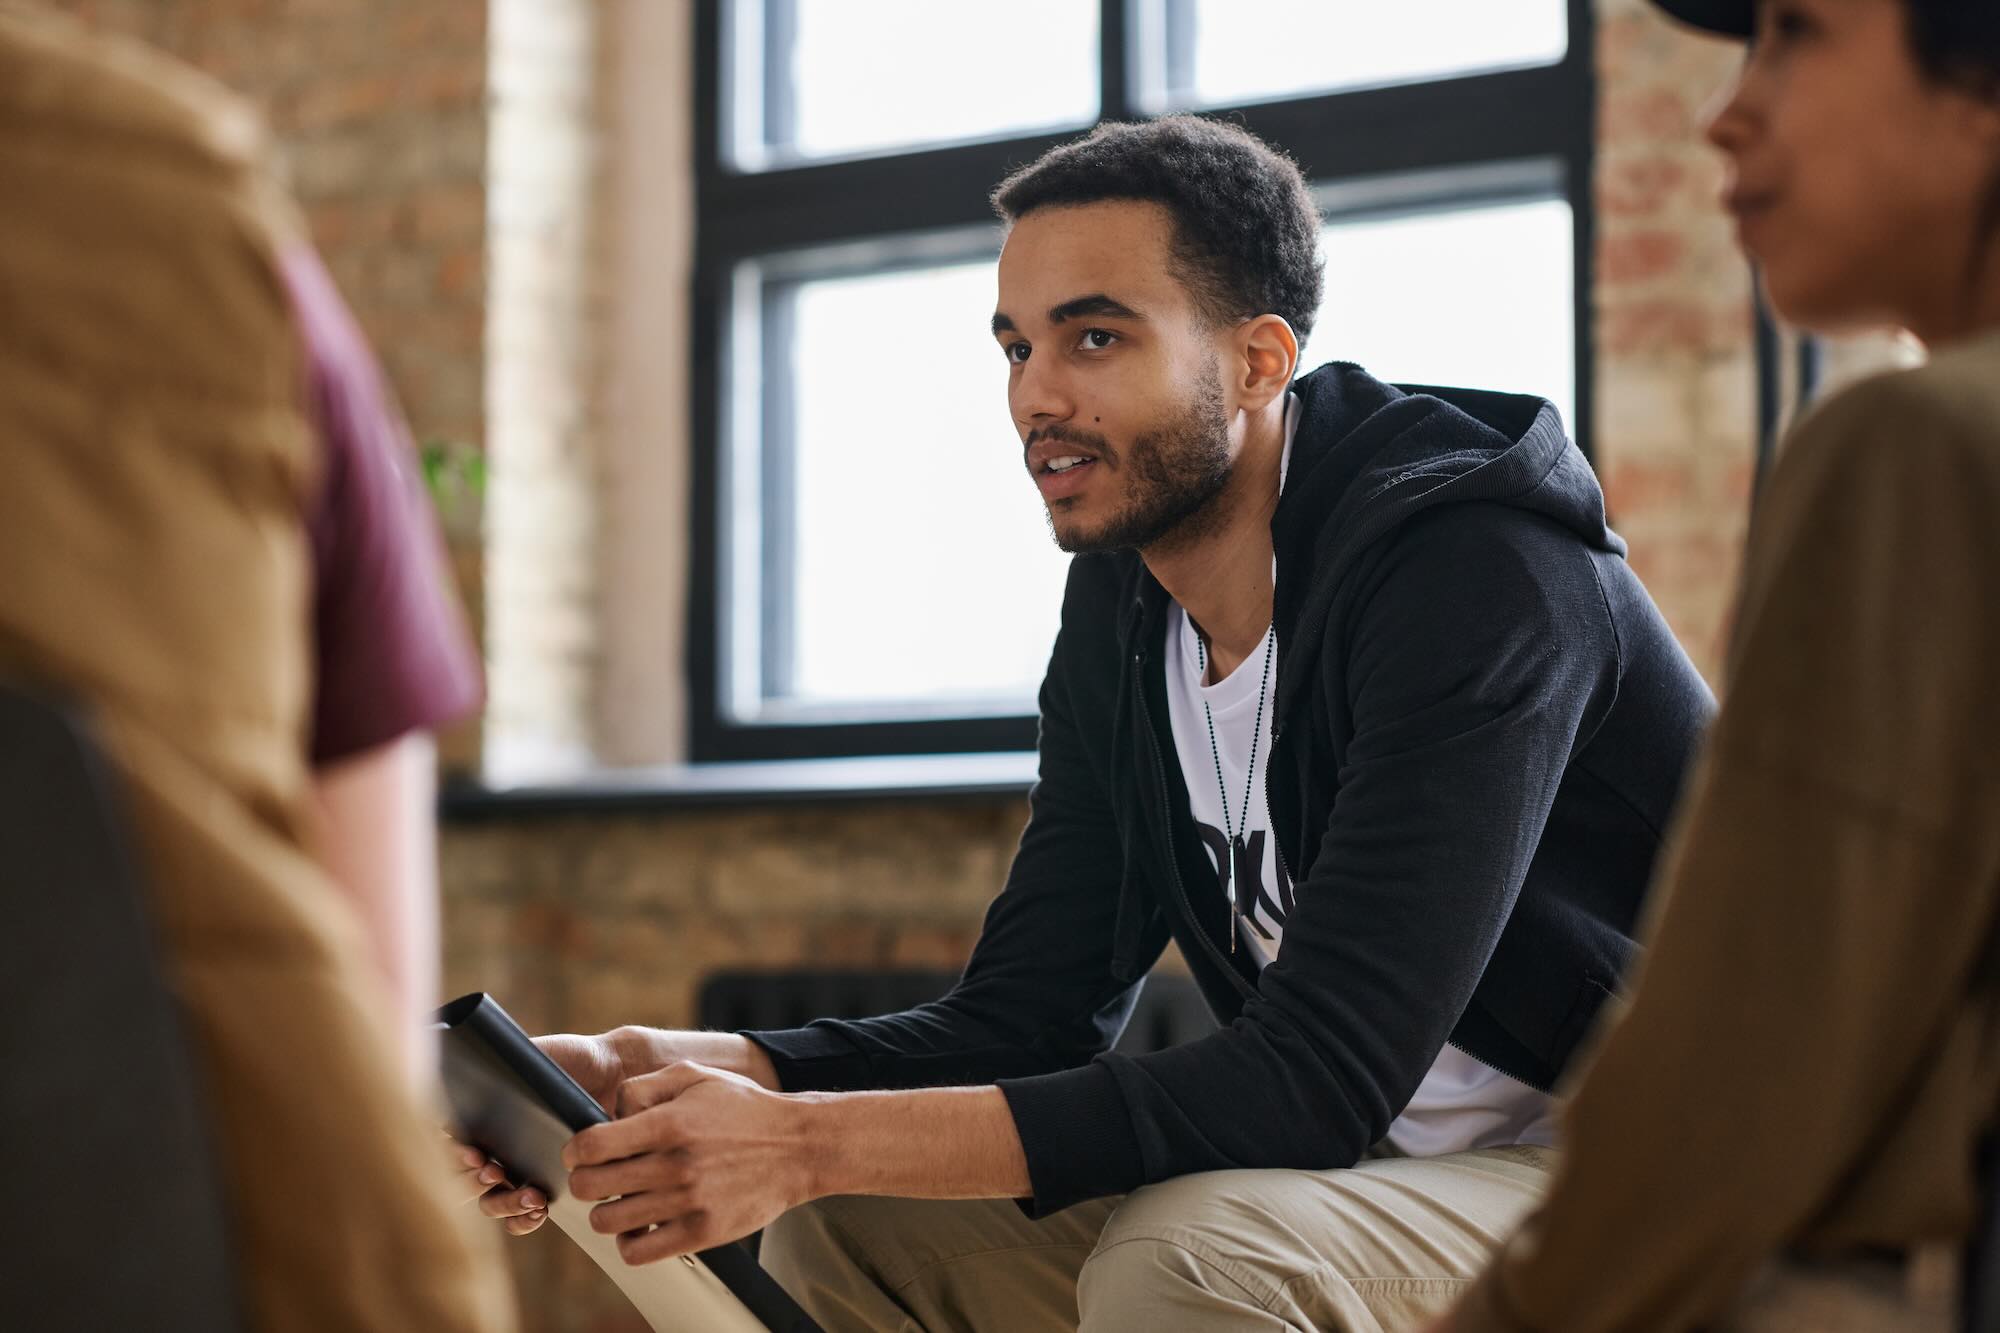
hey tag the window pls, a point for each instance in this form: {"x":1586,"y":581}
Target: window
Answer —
{"x":828,"y":78}
{"x":1207,"y":56}
{"x":1397,"y":286}
{"x":872,"y":573}
{"x":869,"y":479}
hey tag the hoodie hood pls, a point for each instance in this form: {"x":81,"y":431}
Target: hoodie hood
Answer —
{"x":1368,"y":457}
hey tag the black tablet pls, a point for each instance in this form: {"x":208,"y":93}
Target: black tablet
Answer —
{"x":518,"y":1105}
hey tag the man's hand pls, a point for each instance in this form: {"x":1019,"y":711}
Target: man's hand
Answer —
{"x":599,"y":1064}
{"x":706,"y":1149}
{"x":697,"y":1157}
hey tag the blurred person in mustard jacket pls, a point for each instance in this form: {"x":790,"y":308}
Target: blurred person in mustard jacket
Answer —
{"x":212,"y":540}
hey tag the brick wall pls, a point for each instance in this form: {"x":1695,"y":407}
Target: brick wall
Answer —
{"x":378,"y":109}
{"x":1675,"y":370}
{"x":455,"y":161}
{"x":571,"y":194}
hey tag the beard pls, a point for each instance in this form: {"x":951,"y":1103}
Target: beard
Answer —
{"x":1174,"y":473}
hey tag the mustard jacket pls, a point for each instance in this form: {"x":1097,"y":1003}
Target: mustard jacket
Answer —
{"x":155,"y":460}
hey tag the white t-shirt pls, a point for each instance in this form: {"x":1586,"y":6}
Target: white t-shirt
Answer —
{"x":1461,"y":1104}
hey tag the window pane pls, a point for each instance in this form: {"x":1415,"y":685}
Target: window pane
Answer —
{"x":873,"y":75}
{"x":1478,"y":297}
{"x":1311,"y":46}
{"x":923,"y":567}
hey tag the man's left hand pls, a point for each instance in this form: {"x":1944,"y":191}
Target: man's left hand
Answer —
{"x":696,"y":1158}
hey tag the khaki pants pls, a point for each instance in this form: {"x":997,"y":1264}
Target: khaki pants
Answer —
{"x":1373,"y":1249}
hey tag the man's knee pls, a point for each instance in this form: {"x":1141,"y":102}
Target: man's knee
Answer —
{"x":1187,"y":1243}
{"x":820,"y":1259}
{"x":887,"y":1242}
{"x":1205,"y":1205}
{"x":1382,"y":1246}
{"x":805,"y":1245}
{"x":883,"y":1263}
{"x":1125,"y":1284}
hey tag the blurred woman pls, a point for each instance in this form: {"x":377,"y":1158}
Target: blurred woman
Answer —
{"x":1785,"y":1126}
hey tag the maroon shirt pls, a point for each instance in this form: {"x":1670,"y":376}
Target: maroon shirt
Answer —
{"x":391,"y":651}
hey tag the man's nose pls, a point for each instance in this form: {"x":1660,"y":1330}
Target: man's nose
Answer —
{"x":1041,"y":395}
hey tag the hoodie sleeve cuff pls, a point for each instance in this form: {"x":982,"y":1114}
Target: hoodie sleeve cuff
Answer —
{"x":1077,"y":1135}
{"x":815,"y":1059}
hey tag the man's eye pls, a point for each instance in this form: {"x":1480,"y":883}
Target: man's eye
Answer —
{"x":1015,"y":352}
{"x":1097,"y":340}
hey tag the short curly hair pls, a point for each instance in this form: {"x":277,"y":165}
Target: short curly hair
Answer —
{"x":1246,"y":239}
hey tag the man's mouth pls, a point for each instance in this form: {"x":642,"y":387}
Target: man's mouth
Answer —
{"x":1060,"y":469}
{"x":1053,"y":457}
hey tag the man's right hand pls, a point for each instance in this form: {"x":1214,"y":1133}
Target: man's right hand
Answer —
{"x":599,"y":1065}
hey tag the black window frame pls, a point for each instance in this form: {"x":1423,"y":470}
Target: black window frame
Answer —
{"x":1372,"y":150}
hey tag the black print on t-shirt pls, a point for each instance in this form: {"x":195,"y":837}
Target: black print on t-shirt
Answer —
{"x":1244,"y":864}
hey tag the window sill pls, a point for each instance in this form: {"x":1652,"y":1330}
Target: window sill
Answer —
{"x":776,"y":782}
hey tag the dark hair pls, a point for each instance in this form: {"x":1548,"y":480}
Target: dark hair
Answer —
{"x":1246,"y":232}
{"x":1957,"y":44}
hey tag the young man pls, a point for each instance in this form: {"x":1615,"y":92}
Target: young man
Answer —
{"x":1355,"y":698}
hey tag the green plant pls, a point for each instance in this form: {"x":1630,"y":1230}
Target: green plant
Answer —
{"x":455,"y":476}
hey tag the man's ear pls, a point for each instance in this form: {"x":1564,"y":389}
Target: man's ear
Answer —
{"x":1267,"y":354}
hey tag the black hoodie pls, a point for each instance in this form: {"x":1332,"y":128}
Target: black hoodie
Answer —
{"x":1480,"y":726}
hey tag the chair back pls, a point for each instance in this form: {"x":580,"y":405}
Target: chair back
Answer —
{"x":115,"y":1216}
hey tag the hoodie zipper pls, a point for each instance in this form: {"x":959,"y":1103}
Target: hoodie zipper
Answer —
{"x":1277,"y":844}
{"x":1545,"y":1088}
